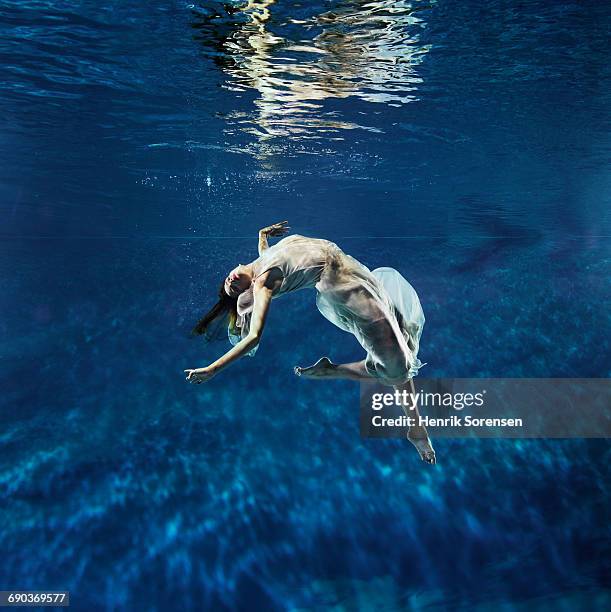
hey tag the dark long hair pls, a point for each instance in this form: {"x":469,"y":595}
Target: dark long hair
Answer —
{"x":226,"y":306}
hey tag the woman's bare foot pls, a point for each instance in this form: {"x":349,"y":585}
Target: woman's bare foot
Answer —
{"x":323,"y":367}
{"x":423,"y":446}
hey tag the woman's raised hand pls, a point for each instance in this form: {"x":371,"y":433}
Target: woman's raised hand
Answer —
{"x":277,"y":229}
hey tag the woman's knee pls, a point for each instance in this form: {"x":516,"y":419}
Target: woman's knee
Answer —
{"x":389,"y":353}
{"x":395,"y":369}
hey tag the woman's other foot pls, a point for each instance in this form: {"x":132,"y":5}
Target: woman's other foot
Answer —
{"x":423,"y":446}
{"x":323,"y":367}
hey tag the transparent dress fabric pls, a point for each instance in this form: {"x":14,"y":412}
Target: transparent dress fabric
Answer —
{"x":368,"y":296}
{"x":407,"y":304}
{"x":349,"y":295}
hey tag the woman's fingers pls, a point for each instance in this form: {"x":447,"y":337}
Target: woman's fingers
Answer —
{"x":279,"y":230}
{"x":276,"y":229}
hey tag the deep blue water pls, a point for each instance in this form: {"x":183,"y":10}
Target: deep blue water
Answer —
{"x":143,"y":145}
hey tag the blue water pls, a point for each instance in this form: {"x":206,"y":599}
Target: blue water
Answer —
{"x":143,"y":145}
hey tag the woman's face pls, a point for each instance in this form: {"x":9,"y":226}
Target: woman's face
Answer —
{"x":237,"y":281}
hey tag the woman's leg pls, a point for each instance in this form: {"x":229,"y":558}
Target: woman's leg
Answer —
{"x":392,"y":369}
{"x":381,"y":339}
{"x":384,"y":345}
{"x":417,"y":434}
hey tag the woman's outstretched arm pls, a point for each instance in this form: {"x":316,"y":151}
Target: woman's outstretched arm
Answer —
{"x":277,"y":229}
{"x":263,"y":290}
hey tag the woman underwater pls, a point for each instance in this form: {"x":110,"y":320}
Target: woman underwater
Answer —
{"x":380,"y":308}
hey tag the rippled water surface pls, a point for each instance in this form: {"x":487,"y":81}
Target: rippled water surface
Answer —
{"x":142,"y":146}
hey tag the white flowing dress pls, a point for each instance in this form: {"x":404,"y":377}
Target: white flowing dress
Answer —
{"x":349,"y":295}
